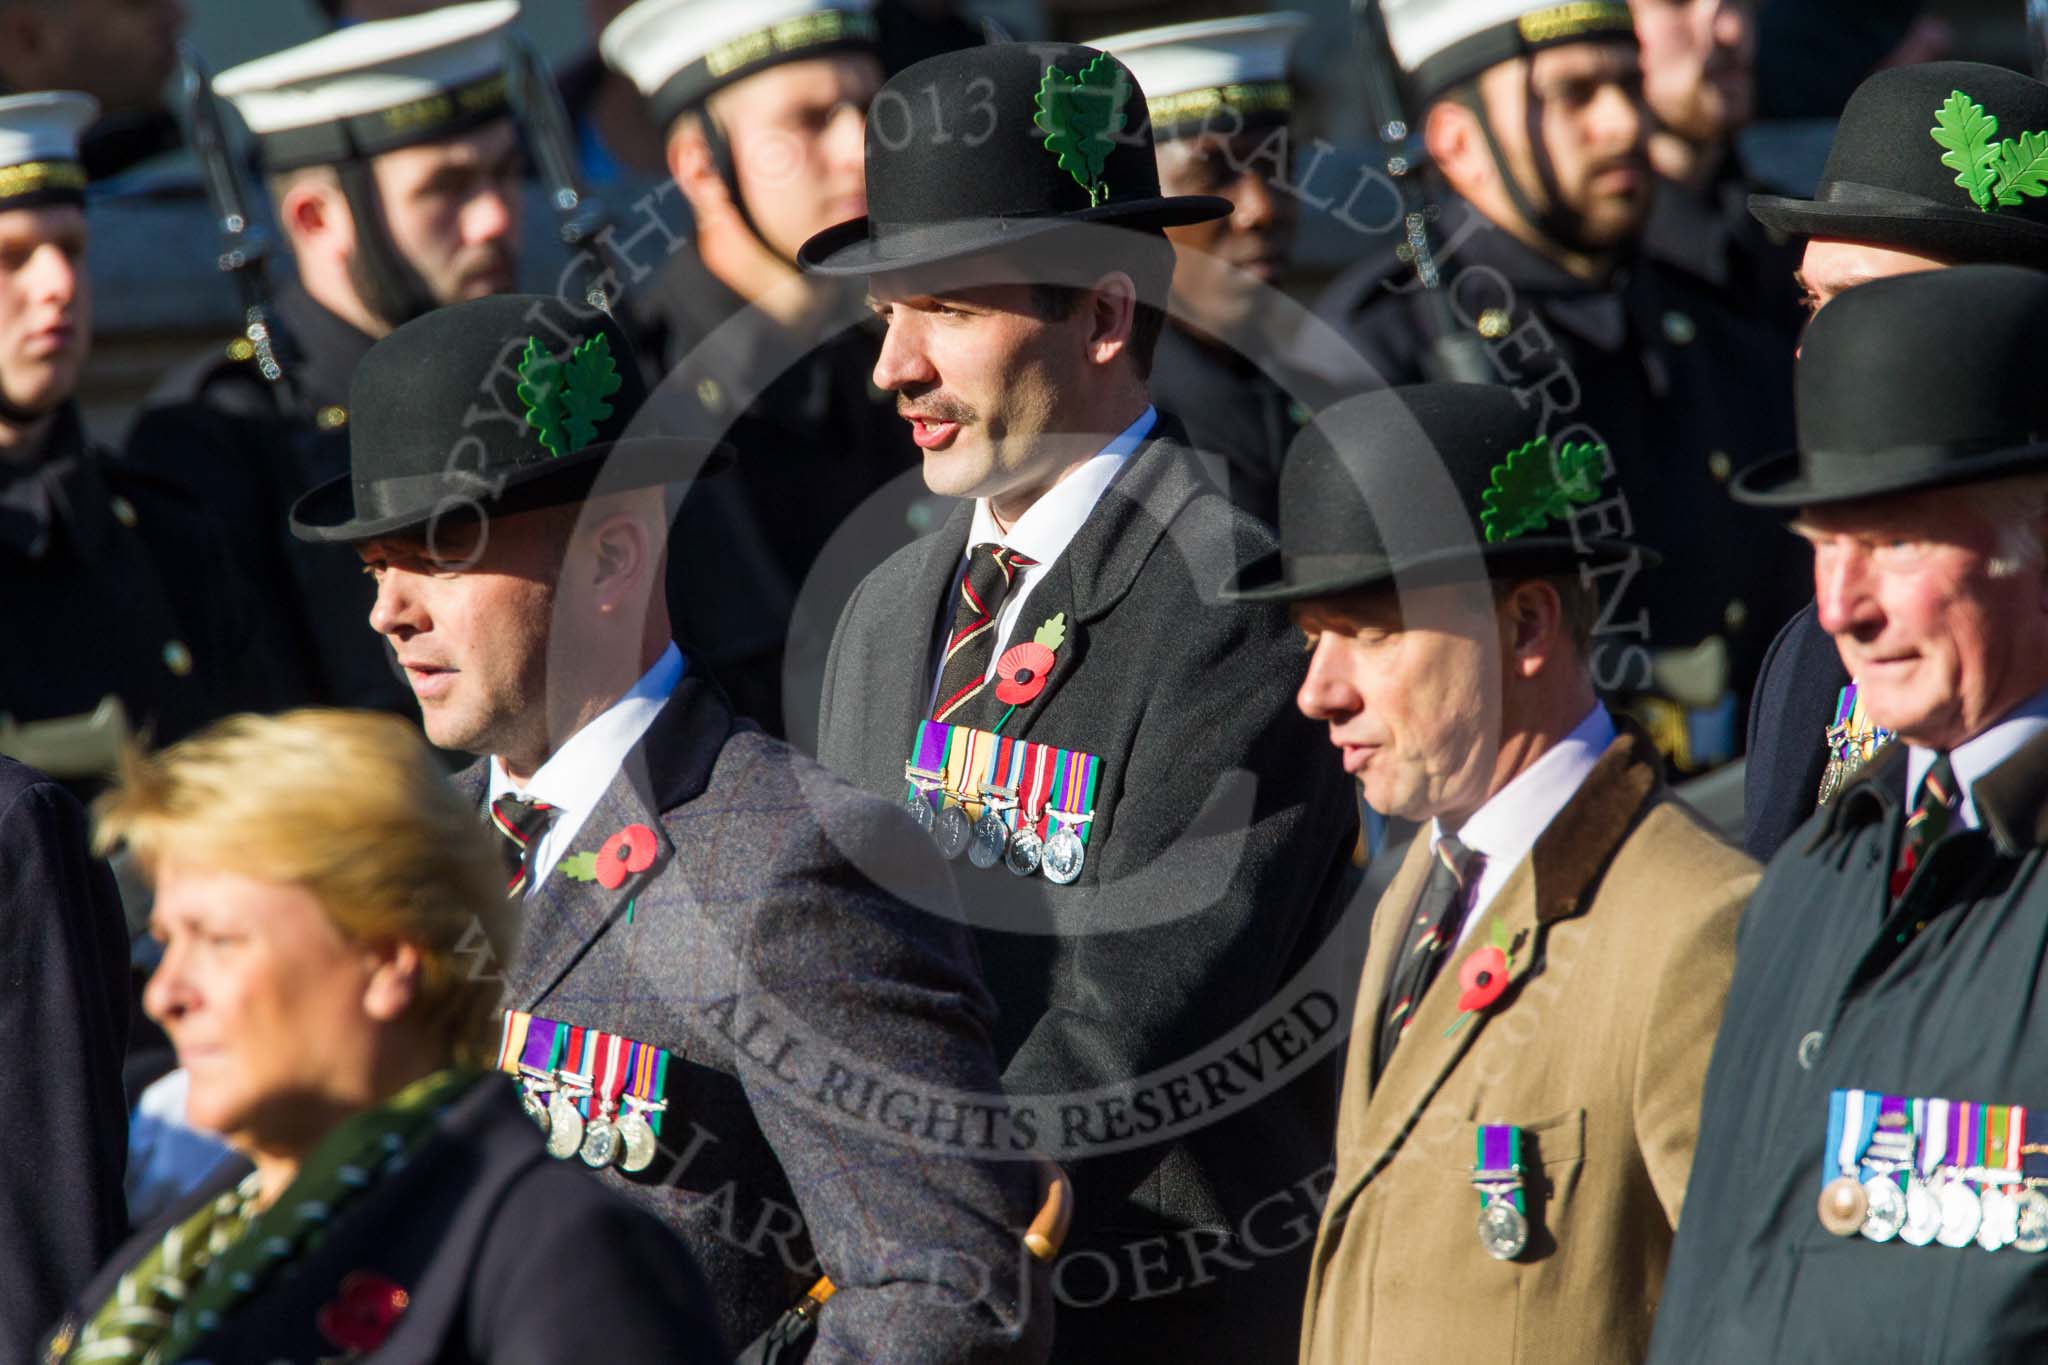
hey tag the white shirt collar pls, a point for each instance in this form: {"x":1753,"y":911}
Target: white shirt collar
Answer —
{"x":1507,"y":826}
{"x":1979,"y":754}
{"x":574,"y":778}
{"x":1049,"y":526}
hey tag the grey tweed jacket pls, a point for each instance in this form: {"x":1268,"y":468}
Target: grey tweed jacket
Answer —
{"x":1216,"y":867}
{"x":813,"y":1018}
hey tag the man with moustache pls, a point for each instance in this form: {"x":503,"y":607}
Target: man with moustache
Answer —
{"x":1869,"y":1112}
{"x":722,"y":942}
{"x":1699,"y":87}
{"x":1433,"y":555}
{"x":1219,"y":100}
{"x":1532,"y":118}
{"x":117,"y":608}
{"x":1887,"y":204}
{"x":1049,"y":684}
{"x":762,"y":108}
{"x":394,"y":172}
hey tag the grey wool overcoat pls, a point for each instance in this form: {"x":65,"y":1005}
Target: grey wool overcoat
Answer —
{"x":813,"y":1018}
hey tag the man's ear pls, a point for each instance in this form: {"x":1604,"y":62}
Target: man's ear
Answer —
{"x":624,"y":556}
{"x":694,"y":169}
{"x":1532,"y":627}
{"x":314,"y":214}
{"x":1456,"y":146}
{"x":1112,"y":312}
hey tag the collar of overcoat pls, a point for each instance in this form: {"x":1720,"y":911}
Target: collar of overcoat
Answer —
{"x":564,"y":919}
{"x":1557,"y":881}
{"x":2012,"y":799}
{"x":1094,"y":573}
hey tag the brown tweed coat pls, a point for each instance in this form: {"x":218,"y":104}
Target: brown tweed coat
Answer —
{"x":1622,"y":922}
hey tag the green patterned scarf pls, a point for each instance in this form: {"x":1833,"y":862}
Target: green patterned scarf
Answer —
{"x":185,"y":1286}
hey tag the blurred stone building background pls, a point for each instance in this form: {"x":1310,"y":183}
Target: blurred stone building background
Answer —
{"x":160,"y":299}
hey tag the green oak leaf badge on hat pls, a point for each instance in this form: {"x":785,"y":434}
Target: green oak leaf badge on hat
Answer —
{"x":1081,"y":116}
{"x":1525,"y":490}
{"x":567,"y":399}
{"x":1991,"y":171}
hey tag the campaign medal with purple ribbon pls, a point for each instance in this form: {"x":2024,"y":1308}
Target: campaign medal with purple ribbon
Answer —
{"x":1960,"y":1210}
{"x":1503,"y":1203}
{"x":926,"y":773}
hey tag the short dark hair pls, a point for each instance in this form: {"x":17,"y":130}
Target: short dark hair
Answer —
{"x":1148,"y":260}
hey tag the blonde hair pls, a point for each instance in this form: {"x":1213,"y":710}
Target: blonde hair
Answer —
{"x":353,"y":807}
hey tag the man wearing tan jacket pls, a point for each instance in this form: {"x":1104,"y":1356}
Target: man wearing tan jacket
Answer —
{"x":1546,"y":971}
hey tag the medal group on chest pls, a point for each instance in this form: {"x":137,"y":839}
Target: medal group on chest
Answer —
{"x":1852,"y":741}
{"x":1923,"y":1171}
{"x":596,"y":1095}
{"x":1000,"y":799}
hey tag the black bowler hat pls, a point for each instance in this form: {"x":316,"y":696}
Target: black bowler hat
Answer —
{"x":501,"y":404}
{"x":991,"y":146}
{"x":1429,"y":482}
{"x":1916,"y":381}
{"x":1943,"y":159}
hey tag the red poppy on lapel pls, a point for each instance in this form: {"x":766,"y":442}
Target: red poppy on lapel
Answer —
{"x":364,"y":1311}
{"x":629,"y":851}
{"x":1021,"y":672}
{"x":1482,"y":979}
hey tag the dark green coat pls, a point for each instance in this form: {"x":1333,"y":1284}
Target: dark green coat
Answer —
{"x":1835,"y":987}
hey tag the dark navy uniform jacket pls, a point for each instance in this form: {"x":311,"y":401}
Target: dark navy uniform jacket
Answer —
{"x":1232,"y":409}
{"x":246,"y":450}
{"x":113,"y":583}
{"x":64,"y":1010}
{"x":1837,"y":987}
{"x":1793,"y":707}
{"x":1682,"y":390}
{"x":814,"y":441}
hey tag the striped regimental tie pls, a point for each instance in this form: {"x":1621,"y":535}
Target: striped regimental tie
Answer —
{"x":970,"y":646}
{"x":1432,"y":929}
{"x":521,"y":822}
{"x":1934,"y":811}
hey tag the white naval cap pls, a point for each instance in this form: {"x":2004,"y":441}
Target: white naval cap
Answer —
{"x":677,"y":52}
{"x":1190,"y":73}
{"x":374,"y":87}
{"x":1440,"y":43}
{"x":39,"y":147}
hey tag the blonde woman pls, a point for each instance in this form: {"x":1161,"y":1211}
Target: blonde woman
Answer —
{"x":330,"y":913}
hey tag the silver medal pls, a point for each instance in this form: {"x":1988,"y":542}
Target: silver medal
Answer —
{"x":1960,"y":1214}
{"x":920,"y":808}
{"x":1886,"y":1215}
{"x":991,"y":839}
{"x":1923,"y":1215}
{"x":1503,"y":1231}
{"x":951,"y":831}
{"x":2030,"y":1221}
{"x":600,"y":1143}
{"x":565,"y":1127}
{"x":636,"y":1135}
{"x":2000,"y":1225}
{"x":1063,"y":856}
{"x":536,"y":1108}
{"x":1026,"y":848}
